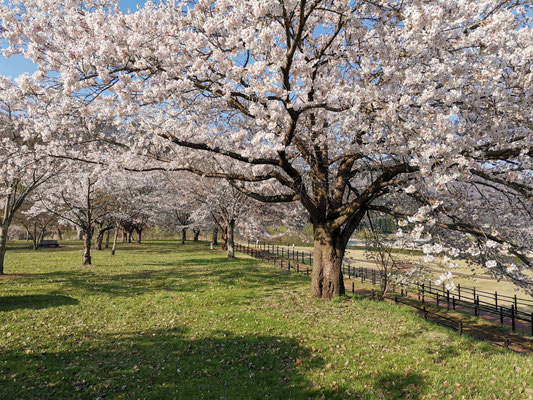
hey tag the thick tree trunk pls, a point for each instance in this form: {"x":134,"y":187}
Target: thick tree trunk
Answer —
{"x":139,"y":236}
{"x":183,"y":235}
{"x":99,"y":239}
{"x":35,"y":237}
{"x":59,"y":234}
{"x":215,"y":236}
{"x":3,"y":245}
{"x":124,"y":236}
{"x":196,"y":234}
{"x":130,"y":235}
{"x":114,"y":241}
{"x":327,"y":279}
{"x":87,"y":247}
{"x":224,"y":239}
{"x":107,"y":235}
{"x":230,"y":241}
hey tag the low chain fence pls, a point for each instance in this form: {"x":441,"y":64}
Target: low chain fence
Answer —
{"x":512,"y":311}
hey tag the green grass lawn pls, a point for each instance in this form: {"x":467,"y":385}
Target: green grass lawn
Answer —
{"x":172,"y":321}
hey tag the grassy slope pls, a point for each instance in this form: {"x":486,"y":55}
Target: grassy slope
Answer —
{"x":172,"y":321}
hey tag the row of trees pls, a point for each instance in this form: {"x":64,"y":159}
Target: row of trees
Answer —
{"x":418,"y":110}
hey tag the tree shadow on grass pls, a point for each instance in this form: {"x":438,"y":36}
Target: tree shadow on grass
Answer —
{"x":35,"y":301}
{"x":165,"y":364}
{"x":399,"y":386}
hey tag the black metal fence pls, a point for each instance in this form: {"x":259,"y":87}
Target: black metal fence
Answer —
{"x":511,"y":311}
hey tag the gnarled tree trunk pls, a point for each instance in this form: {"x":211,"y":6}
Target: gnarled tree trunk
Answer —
{"x":113,"y":249}
{"x":139,"y":235}
{"x":329,"y":248}
{"x":87,"y":237}
{"x":224,"y":235}
{"x":230,"y":239}
{"x":215,"y":236}
{"x":108,"y":234}
{"x":183,"y":235}
{"x":196,"y":234}
{"x":3,"y":244}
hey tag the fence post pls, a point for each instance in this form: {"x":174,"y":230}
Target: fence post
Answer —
{"x":423,"y":293}
{"x":453,"y":302}
{"x":448,"y":299}
{"x":297,"y":267}
{"x":349,"y":271}
{"x":478,"y":308}
{"x":425,"y":313}
{"x":460,"y":328}
{"x":396,"y":299}
{"x":289,"y":265}
{"x":437,"y":298}
{"x":501,"y":315}
{"x":459,"y":291}
{"x":353,"y":292}
{"x":515,"y":304}
{"x":474,"y":289}
{"x":496,"y":300}
{"x":513,"y":325}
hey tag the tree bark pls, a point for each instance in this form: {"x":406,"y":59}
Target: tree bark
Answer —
{"x":196,"y":234}
{"x":224,"y":239}
{"x":3,"y":246}
{"x":87,"y":247}
{"x":124,"y":235}
{"x":230,"y":241}
{"x":115,"y":240}
{"x":108,"y":234}
{"x":59,"y":234}
{"x":183,"y":235}
{"x":99,"y":239}
{"x":130,"y":235}
{"x":139,"y":236}
{"x":35,"y":237}
{"x":79,"y":232}
{"x":329,"y":248}
{"x":215,"y":236}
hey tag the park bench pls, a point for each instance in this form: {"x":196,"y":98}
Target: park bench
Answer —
{"x":48,"y":243}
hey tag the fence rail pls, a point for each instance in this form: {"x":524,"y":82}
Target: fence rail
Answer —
{"x":511,"y":311}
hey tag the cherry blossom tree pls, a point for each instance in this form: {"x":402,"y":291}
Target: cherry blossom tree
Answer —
{"x":402,"y":106}
{"x":78,"y":198}
{"x":24,"y":164}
